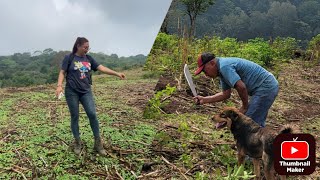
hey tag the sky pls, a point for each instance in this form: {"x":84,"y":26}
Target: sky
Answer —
{"x":122,"y":27}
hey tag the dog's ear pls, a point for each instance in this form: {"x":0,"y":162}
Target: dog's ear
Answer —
{"x":232,"y":114}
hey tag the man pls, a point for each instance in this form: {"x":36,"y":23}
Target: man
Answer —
{"x":248,"y":78}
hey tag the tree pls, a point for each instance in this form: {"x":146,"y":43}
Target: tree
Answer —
{"x":195,"y":8}
{"x":283,"y":16}
{"x":236,"y":24}
{"x":259,"y":25}
{"x":170,"y":13}
{"x":48,"y":51}
{"x":310,"y":14}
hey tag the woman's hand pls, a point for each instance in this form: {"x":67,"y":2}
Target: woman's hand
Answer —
{"x":58,"y":91}
{"x":121,"y":76}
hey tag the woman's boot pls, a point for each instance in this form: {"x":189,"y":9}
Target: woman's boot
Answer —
{"x":77,"y":146}
{"x":98,"y":146}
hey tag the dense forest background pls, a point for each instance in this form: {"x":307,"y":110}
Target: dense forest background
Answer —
{"x":247,"y":19}
{"x":41,"y":67}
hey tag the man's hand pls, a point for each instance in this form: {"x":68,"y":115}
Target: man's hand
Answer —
{"x":198,"y":99}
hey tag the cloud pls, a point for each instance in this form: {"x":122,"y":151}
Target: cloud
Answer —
{"x":124,"y":27}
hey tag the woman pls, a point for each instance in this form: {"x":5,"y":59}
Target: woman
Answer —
{"x":77,"y":67}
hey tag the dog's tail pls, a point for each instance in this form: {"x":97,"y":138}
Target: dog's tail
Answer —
{"x":289,"y":129}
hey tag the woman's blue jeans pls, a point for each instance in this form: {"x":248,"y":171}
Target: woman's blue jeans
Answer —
{"x":86,"y":99}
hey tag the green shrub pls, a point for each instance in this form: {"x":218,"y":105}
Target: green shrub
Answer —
{"x":284,"y":48}
{"x":314,"y":48}
{"x":155,"y":104}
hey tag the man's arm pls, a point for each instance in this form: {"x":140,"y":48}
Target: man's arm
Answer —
{"x":243,"y":93}
{"x":217,"y":97}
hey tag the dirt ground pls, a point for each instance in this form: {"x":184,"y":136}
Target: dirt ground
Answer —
{"x":298,"y":101}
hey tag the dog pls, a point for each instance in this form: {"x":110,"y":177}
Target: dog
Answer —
{"x":251,"y":139}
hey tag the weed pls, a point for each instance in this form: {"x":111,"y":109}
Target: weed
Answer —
{"x":155,"y":104}
{"x":238,"y":173}
{"x":224,"y":154}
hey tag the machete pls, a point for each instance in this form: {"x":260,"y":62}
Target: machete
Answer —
{"x":189,"y":80}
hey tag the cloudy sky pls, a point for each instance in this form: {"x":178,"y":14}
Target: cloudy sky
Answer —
{"x":124,"y":27}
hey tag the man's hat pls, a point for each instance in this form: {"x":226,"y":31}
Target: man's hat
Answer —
{"x":203,"y":59}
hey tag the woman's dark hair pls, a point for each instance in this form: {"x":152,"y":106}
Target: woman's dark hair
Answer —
{"x":79,"y":42}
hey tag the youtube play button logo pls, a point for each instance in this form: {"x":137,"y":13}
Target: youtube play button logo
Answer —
{"x":294,"y":154}
{"x":294,"y":150}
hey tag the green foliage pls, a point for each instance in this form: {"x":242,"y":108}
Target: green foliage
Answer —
{"x":314,"y":48}
{"x":224,"y":154}
{"x":226,"y":47}
{"x":163,"y":138}
{"x":247,"y":19}
{"x":186,"y":159}
{"x":258,"y":51}
{"x":184,"y":128}
{"x":238,"y":173}
{"x":164,"y":54}
{"x":151,"y":75}
{"x":193,"y":8}
{"x":155,"y":104}
{"x":201,"y":176}
{"x":230,"y":103}
{"x":36,"y":136}
{"x":165,"y":43}
{"x":284,"y":47}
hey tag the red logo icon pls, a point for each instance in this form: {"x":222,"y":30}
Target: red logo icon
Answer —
{"x":294,"y":154}
{"x":294,"y":150}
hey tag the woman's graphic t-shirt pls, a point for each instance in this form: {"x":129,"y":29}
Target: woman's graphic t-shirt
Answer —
{"x":78,"y":77}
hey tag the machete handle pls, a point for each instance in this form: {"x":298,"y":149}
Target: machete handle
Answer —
{"x":197,"y":101}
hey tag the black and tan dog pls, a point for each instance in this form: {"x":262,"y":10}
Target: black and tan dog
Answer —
{"x":251,"y":139}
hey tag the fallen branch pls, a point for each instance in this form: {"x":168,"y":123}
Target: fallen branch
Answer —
{"x":174,"y":167}
{"x":118,"y":174}
{"x":100,"y":174}
{"x":159,"y":109}
{"x":149,"y":174}
{"x":46,"y":165}
{"x":197,"y":129}
{"x":8,"y":135}
{"x":194,"y":166}
{"x":61,"y":140}
{"x":24,"y":177}
{"x":134,"y":174}
{"x":21,"y":168}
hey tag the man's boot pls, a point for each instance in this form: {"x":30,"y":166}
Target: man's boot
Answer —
{"x":77,"y":146}
{"x":98,"y":146}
